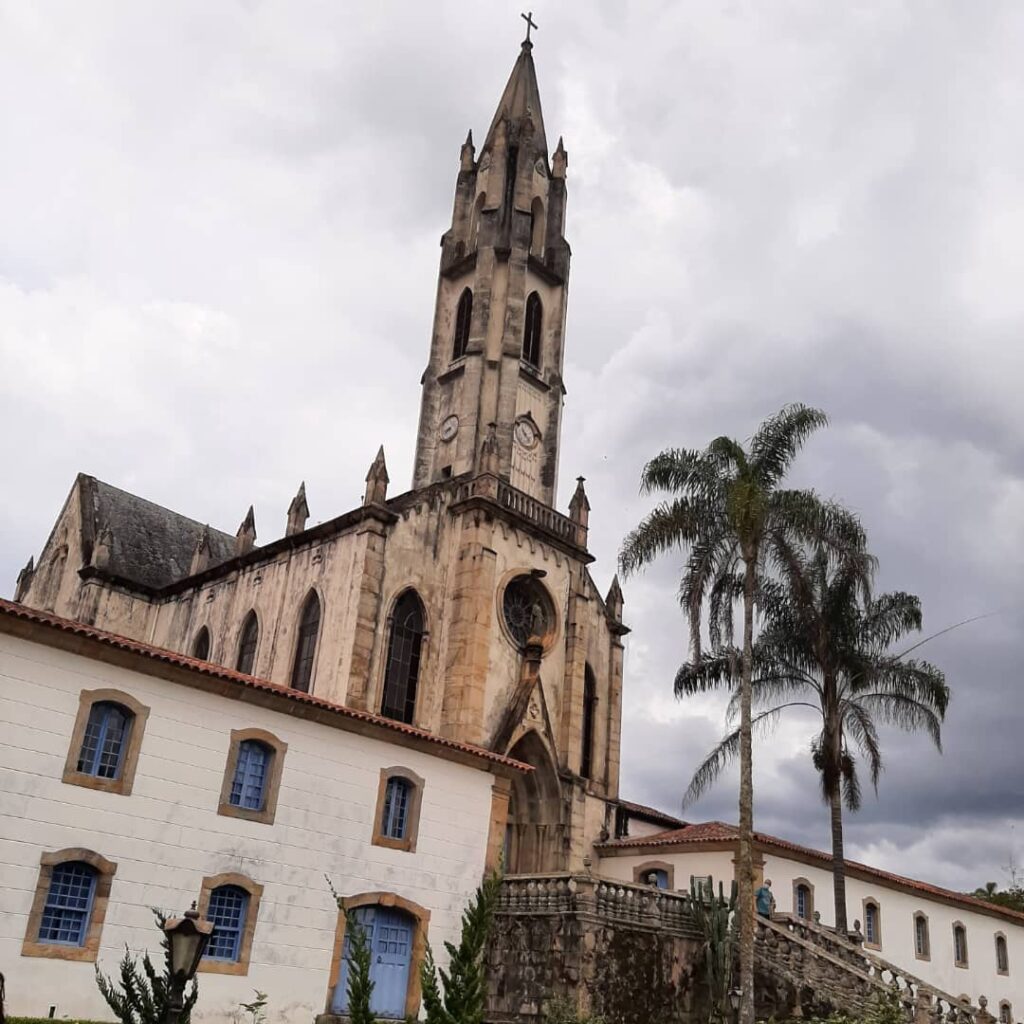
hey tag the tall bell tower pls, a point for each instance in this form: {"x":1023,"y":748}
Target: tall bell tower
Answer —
{"x":492,"y":389}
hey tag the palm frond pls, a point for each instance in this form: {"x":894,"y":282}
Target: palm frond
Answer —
{"x":778,"y":439}
{"x":669,"y":526}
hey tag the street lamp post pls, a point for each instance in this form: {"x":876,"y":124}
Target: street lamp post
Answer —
{"x":188,"y":937}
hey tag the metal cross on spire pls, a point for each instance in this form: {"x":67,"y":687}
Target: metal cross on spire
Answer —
{"x":530,"y":23}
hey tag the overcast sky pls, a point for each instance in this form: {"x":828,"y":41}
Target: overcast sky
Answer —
{"x":218,"y":259}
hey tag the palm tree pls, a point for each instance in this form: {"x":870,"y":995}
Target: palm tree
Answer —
{"x":826,"y":646}
{"x":728,"y":510}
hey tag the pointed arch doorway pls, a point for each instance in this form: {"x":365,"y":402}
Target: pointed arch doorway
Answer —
{"x":535,"y":833}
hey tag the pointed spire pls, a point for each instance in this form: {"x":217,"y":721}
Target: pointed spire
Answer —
{"x":25,"y":579}
{"x":560,"y":161}
{"x":245,"y":538}
{"x":467,"y":157}
{"x":521,"y":99}
{"x":298,"y":512}
{"x":201,"y":556}
{"x":579,"y":512}
{"x":613,"y":602}
{"x":102,"y":549}
{"x":377,"y":481}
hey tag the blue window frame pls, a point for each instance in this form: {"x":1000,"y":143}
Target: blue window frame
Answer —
{"x":229,"y":906}
{"x":249,"y":786}
{"x":105,"y":741}
{"x":68,"y":906}
{"x":396,"y":808}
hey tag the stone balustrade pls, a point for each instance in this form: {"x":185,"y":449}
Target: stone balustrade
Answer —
{"x":615,"y":902}
{"x":845,"y":974}
{"x":522,"y":505}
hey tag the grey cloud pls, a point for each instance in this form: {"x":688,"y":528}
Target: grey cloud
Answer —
{"x":218,"y":266}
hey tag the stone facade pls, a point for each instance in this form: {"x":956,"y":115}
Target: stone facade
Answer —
{"x":476,"y":540}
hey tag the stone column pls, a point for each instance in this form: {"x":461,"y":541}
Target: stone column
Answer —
{"x":471,"y":622}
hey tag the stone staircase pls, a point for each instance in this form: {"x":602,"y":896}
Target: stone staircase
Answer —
{"x":802,"y":967}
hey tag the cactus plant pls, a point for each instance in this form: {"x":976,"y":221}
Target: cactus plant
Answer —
{"x":713,"y":915}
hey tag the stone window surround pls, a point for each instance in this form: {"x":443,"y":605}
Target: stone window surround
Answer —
{"x":255,"y":891}
{"x":806,"y":883}
{"x":122,"y":785}
{"x":419,"y":942}
{"x":920,"y":915}
{"x":1006,"y":952}
{"x":412,"y":814}
{"x":278,"y":749}
{"x":89,"y":950}
{"x":874,"y":902}
{"x":640,"y":872}
{"x":965,"y":963}
{"x":550,"y":639}
{"x":1005,"y":1010}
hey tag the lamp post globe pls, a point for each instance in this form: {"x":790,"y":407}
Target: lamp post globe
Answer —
{"x":187,"y":937}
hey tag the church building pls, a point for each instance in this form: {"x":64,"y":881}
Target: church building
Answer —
{"x":371,"y":713}
{"x":463,"y":606}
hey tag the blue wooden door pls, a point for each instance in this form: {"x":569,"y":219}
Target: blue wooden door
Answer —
{"x":389,"y":936}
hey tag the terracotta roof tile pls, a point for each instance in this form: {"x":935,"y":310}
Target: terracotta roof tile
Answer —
{"x":719,"y":831}
{"x":206,"y":668}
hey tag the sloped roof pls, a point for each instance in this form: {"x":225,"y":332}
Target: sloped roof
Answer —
{"x":651,"y":814}
{"x":151,"y":544}
{"x":520,"y":99}
{"x":719,"y":831}
{"x":9,"y":610}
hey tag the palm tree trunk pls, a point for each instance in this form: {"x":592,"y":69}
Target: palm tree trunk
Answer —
{"x":745,"y":867}
{"x":838,"y":860}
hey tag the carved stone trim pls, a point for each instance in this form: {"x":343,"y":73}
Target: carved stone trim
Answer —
{"x":89,"y":950}
{"x":126,"y":778}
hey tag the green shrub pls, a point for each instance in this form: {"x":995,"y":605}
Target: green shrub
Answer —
{"x":561,"y":1011}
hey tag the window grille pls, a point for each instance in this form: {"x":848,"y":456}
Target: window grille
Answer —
{"x":105,"y":741}
{"x":396,"y":808}
{"x":921,"y":935}
{"x":249,"y":784}
{"x":65,"y":918}
{"x":405,"y":646}
{"x":227,"y":911}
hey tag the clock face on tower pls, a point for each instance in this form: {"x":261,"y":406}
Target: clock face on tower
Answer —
{"x":525,"y":433}
{"x":449,"y":428}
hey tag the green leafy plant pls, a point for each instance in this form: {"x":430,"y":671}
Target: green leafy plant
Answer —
{"x":144,"y":995}
{"x":728,"y":508}
{"x":464,"y":984}
{"x":562,"y":1011}
{"x":360,"y":985}
{"x":256,"y":1009}
{"x":713,"y":915}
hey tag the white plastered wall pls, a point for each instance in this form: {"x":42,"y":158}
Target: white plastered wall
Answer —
{"x":166,"y":836}
{"x":897,"y":909}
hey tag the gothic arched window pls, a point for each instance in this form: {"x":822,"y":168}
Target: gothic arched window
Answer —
{"x":403,"y":665}
{"x":589,"y":708}
{"x":201,"y":645}
{"x":922,"y":942}
{"x":1002,"y":955}
{"x":248,"y":640}
{"x":305,"y":644}
{"x":533,"y":326}
{"x":463,"y":316}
